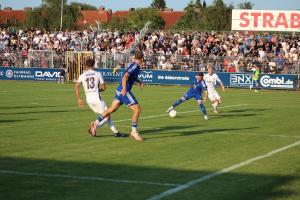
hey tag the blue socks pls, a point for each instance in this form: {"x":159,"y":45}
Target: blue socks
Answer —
{"x":134,"y":126}
{"x":179,"y":101}
{"x":203,"y":109}
{"x":100,"y":118}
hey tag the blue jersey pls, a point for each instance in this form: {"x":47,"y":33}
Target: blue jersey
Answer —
{"x":133,"y":70}
{"x":197,"y":87}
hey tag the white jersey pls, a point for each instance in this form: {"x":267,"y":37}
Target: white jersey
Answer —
{"x":211,"y":80}
{"x":91,"y":81}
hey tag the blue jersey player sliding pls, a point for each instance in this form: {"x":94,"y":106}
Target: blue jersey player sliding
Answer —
{"x":195,"y":91}
{"x":124,"y":95}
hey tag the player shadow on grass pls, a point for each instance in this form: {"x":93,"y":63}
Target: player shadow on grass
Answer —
{"x":147,"y":131}
{"x":166,"y":129}
{"x":15,"y":120}
{"x":248,"y":110}
{"x":60,"y":179}
{"x":125,"y":135}
{"x":175,"y":133}
{"x":231,"y":115}
{"x":240,"y":113}
{"x":43,"y":111}
{"x":34,"y":106}
{"x":213,"y":116}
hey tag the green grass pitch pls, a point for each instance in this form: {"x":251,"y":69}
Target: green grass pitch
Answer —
{"x":46,"y":152}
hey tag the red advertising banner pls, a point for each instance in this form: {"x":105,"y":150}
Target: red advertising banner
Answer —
{"x":266,"y":20}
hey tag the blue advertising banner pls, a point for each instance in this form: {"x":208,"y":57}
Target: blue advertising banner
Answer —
{"x":240,"y":80}
{"x":268,"y":81}
{"x":32,"y":74}
{"x":153,"y":76}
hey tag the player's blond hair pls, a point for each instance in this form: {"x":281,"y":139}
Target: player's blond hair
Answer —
{"x":138,"y":55}
{"x":210,"y":66}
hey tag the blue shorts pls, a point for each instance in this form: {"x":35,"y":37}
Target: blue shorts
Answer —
{"x":189,"y":95}
{"x":129,"y":99}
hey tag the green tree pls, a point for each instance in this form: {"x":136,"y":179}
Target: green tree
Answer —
{"x":219,"y":16}
{"x":214,"y":17}
{"x":159,"y":4}
{"x":198,"y":4}
{"x":246,"y":5}
{"x":83,"y":6}
{"x":192,"y":18}
{"x":204,"y":4}
{"x":48,"y":15}
{"x":120,"y":23}
{"x":139,"y":17}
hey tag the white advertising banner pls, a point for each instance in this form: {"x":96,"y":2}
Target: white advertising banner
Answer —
{"x":265,"y":20}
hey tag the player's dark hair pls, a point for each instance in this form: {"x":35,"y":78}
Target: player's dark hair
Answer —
{"x":200,"y":74}
{"x":90,"y":63}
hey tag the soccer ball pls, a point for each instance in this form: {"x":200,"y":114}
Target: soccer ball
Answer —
{"x":172,"y":113}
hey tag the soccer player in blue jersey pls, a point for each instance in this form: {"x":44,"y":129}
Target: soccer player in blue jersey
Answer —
{"x":124,"y":95}
{"x":195,"y":91}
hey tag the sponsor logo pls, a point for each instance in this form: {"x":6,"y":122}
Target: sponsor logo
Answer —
{"x":9,"y":73}
{"x":265,"y":20}
{"x":171,"y":78}
{"x":110,"y":74}
{"x":240,"y":80}
{"x":47,"y":74}
{"x":278,"y":82}
{"x":146,"y":76}
{"x":1,"y":73}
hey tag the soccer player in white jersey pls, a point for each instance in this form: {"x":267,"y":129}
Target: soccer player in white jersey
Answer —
{"x":93,"y":82}
{"x":211,"y":80}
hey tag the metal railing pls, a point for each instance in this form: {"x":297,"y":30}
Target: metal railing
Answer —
{"x":158,"y":61}
{"x":32,"y":58}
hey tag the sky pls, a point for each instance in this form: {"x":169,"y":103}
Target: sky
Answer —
{"x":175,"y":4}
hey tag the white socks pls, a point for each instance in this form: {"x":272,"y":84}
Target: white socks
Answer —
{"x":112,"y":126}
{"x":99,"y":124}
{"x":109,"y":123}
{"x":215,"y":105}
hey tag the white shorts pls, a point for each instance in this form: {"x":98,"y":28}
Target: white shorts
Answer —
{"x":213,"y":95}
{"x":96,"y":105}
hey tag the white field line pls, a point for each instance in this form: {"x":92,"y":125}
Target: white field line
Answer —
{"x":221,"y":172}
{"x":190,"y":111}
{"x":100,"y":178}
{"x":89,"y":178}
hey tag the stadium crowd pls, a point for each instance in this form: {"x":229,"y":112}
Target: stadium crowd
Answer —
{"x":228,"y":51}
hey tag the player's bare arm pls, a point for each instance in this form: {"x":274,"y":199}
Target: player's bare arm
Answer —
{"x":124,"y":80}
{"x":222,"y":86}
{"x":221,"y":83}
{"x":79,"y":100}
{"x":102,"y":87}
{"x":205,"y":95}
